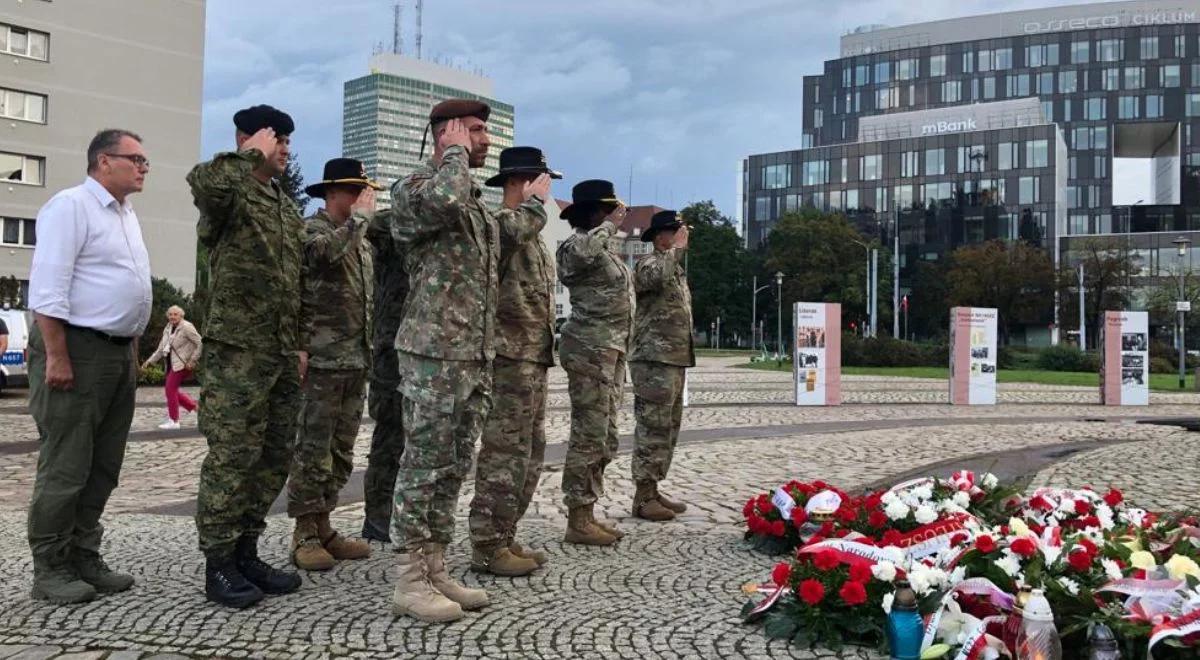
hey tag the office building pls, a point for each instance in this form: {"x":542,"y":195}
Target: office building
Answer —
{"x":1053,"y":126}
{"x":384,"y":115}
{"x":69,"y":69}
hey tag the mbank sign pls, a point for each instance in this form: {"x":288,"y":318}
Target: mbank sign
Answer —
{"x":948,"y":127}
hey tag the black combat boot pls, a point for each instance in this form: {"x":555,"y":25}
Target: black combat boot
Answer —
{"x":374,"y":531}
{"x":271,"y":580}
{"x":225,"y":584}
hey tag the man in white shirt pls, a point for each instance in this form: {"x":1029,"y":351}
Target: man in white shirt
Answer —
{"x":89,"y":289}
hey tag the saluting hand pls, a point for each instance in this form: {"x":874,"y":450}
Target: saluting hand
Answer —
{"x":681,"y":237}
{"x":539,"y":186}
{"x":365,"y":203}
{"x":264,"y":140}
{"x":455,"y":133}
{"x":617,"y":216}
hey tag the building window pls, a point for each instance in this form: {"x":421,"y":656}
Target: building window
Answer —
{"x":558,"y":309}
{"x":776,"y":176}
{"x":1154,"y":106}
{"x":1095,"y":108}
{"x":1045,"y":83}
{"x":816,"y":172}
{"x":952,"y":91}
{"x":1068,"y":81}
{"x":1018,"y":85}
{"x":1170,"y":75}
{"x":1149,"y":48}
{"x":1180,"y":45}
{"x":989,"y":87}
{"x":1048,"y":110}
{"x":887,"y":97}
{"x":985,"y":61}
{"x":1041,"y":55}
{"x":909,"y":164}
{"x":845,"y":171}
{"x":1002,"y":59}
{"x":24,"y":42}
{"x":19,"y":168}
{"x":18,"y":231}
{"x":935,"y":162}
{"x":1135,"y":77}
{"x":847,"y":77}
{"x":871,"y":167}
{"x":818,"y":118}
{"x":1100,"y":167}
{"x":25,"y":106}
{"x":971,"y":159}
{"x":937,"y":65}
{"x":1029,"y":192}
{"x":968,"y":62}
{"x":908,"y":69}
{"x":1110,"y":50}
{"x":1037,"y":153}
{"x":762,"y":207}
{"x":1007,"y":156}
{"x":1110,"y":79}
{"x":862,"y":74}
{"x":1191,"y":105}
{"x":1081,"y":52}
{"x":852,"y":199}
{"x":1127,"y":107}
{"x":1066,"y":113}
{"x":883,"y":72}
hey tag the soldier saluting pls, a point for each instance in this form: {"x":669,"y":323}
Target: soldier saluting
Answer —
{"x":662,"y":352}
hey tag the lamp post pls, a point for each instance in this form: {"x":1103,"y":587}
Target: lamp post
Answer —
{"x":754,"y":310}
{"x":869,"y":330}
{"x":779,"y":320}
{"x":1181,"y":244}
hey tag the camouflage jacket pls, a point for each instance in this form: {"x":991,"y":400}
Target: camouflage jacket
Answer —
{"x":525,"y":309}
{"x":662,"y":330}
{"x":601,"y":289}
{"x":391,"y":288}
{"x":254,"y":233}
{"x":451,"y":250}
{"x":335,"y":303}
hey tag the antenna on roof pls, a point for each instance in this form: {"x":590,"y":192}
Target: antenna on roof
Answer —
{"x":420,"y":10}
{"x":397,"y":38}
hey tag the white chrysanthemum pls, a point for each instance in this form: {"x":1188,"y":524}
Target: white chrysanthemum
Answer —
{"x":1009,"y":564}
{"x":887,"y":602}
{"x":884,"y":570}
{"x":1050,"y":552}
{"x":896,"y":510}
{"x":957,"y":575}
{"x":923,"y":493}
{"x":1070,"y":585}
{"x":1135,"y":516}
{"x":1105,"y":515}
{"x":962,"y":499}
{"x":1111,"y":569}
{"x":888,"y":498}
{"x":990,"y":481}
{"x":894,"y":554}
{"x":925,"y":514}
{"x":1066,"y":505}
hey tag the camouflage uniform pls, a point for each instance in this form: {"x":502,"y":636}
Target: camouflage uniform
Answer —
{"x":514,"y":436}
{"x":383,"y":399}
{"x":251,"y":372}
{"x":445,"y":343}
{"x":335,"y":330}
{"x":594,"y":342}
{"x":662,"y":351}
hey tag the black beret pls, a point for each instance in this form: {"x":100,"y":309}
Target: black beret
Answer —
{"x":456,"y":108}
{"x":255,"y":118}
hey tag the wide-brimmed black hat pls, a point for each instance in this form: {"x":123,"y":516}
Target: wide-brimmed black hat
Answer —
{"x":255,"y":118}
{"x":587,"y":194}
{"x":454,"y":109}
{"x":661,"y":221}
{"x":342,"y":172}
{"x":521,"y":160}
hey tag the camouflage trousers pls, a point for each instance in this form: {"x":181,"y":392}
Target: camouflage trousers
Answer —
{"x":445,"y":403}
{"x":248,"y":413}
{"x":658,"y":407}
{"x":511,"y":452}
{"x":330,"y":413}
{"x":384,"y":405}
{"x":595,"y":378}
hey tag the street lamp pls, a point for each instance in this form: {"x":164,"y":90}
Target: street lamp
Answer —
{"x":1181,"y":244}
{"x":779,"y":313}
{"x":754,"y":309}
{"x":869,"y":331}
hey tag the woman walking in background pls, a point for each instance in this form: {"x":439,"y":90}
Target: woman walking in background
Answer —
{"x":180,"y":346}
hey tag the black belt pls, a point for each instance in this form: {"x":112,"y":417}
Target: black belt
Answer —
{"x":112,"y":339}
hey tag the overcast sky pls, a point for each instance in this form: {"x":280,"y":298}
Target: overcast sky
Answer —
{"x":677,"y":90}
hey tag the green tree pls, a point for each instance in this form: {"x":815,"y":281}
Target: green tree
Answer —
{"x":165,"y":295}
{"x":928,"y":312}
{"x":718,"y":269}
{"x":292,"y":182}
{"x":10,"y":292}
{"x":1016,"y":278}
{"x":1108,"y":268}
{"x":822,"y":258}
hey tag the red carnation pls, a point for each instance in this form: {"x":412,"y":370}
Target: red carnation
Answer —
{"x":1091,"y":521}
{"x":812,"y":591}
{"x":877,"y":518}
{"x":799,"y":516}
{"x":826,"y":529}
{"x":1080,"y":561}
{"x":1082,"y":507}
{"x":1042,"y":503}
{"x":820,"y":485}
{"x":781,"y":573}
{"x":853,"y":593}
{"x":873,"y":500}
{"x":985,"y":544}
{"x":1088,"y":546}
{"x":778,"y":528}
{"x":825,"y":560}
{"x":753,"y":523}
{"x":847,"y":514}
{"x":891,"y":537}
{"x":749,"y":508}
{"x":1023,"y":547}
{"x":764,"y":504}
{"x":1113,"y":497}
{"x":860,"y":572}
{"x":958,"y":539}
{"x":842,"y":533}
{"x":816,"y":538}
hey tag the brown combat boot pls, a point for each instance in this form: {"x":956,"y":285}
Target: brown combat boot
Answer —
{"x":338,"y":546}
{"x":537,"y":555}
{"x":677,"y":507}
{"x":415,"y":596}
{"x":439,"y":577}
{"x":307,"y":551}
{"x":647,"y":506}
{"x":582,"y":528}
{"x":500,"y":560}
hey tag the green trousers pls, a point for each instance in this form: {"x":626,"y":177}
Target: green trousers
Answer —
{"x":330,"y":414}
{"x":82,"y":434}
{"x":387,"y":445}
{"x":658,"y":406}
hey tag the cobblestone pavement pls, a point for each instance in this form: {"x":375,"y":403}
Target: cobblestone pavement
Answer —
{"x":669,"y":590}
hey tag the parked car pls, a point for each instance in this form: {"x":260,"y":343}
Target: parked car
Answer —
{"x":13,"y":362}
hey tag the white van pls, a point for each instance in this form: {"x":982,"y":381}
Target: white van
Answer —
{"x":13,"y":362}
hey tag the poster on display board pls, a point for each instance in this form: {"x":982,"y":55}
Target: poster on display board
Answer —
{"x":972,"y":356}
{"x":817,"y":353}
{"x":1125,"y":359}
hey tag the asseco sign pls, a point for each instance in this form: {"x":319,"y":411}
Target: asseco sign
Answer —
{"x":1109,"y":21}
{"x":948,"y":127}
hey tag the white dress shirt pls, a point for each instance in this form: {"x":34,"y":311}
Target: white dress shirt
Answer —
{"x":90,"y":266}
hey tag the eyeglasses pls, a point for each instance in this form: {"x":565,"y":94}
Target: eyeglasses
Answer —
{"x":137,"y":159}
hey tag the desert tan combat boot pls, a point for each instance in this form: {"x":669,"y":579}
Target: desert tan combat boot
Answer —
{"x":439,"y":577}
{"x":536,"y":555}
{"x":415,"y":596}
{"x":307,"y":551}
{"x":677,"y":507}
{"x":582,"y":528}
{"x":337,"y":545}
{"x":501,"y":560}
{"x":647,"y":506}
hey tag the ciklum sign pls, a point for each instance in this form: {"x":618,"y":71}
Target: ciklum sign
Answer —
{"x":1110,"y":21}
